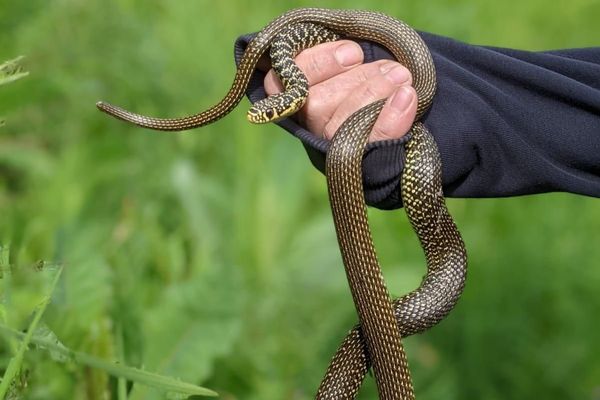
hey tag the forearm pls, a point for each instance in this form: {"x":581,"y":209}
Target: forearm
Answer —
{"x":507,"y":123}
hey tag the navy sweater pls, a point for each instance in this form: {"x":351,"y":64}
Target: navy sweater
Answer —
{"x":507,"y":122}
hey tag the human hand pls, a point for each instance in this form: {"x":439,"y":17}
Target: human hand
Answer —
{"x":340,"y":84}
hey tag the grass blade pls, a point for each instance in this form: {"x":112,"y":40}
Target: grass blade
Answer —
{"x":12,"y":70}
{"x":15,"y":363}
{"x":165,"y":383}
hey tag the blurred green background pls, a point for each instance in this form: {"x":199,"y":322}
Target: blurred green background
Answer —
{"x":211,"y":255}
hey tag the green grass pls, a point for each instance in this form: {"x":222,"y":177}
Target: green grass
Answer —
{"x":211,"y":257}
{"x":16,"y":363}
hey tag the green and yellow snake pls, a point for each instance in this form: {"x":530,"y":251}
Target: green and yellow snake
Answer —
{"x":375,"y":342}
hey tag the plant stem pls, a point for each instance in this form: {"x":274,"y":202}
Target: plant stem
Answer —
{"x":15,"y":363}
{"x":161,"y":382}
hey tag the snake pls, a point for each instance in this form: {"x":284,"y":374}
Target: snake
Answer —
{"x":376,"y":341}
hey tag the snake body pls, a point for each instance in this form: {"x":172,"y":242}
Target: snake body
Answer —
{"x":440,"y":239}
{"x":378,"y":326}
{"x":376,"y":341}
{"x":404,"y":43}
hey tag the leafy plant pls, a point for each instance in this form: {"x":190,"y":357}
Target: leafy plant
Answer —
{"x":43,"y":338}
{"x":11,"y":71}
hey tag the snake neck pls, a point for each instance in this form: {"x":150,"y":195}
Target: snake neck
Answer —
{"x":285,"y":47}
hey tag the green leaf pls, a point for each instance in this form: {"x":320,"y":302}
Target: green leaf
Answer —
{"x":44,"y":335}
{"x":48,"y":342}
{"x":194,"y":323}
{"x":12,"y":70}
{"x":14,"y":366}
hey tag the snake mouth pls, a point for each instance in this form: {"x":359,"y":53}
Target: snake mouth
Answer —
{"x":258,"y":116}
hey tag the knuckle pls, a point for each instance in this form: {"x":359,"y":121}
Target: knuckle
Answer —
{"x":314,"y":65}
{"x":368,"y":71}
{"x":396,"y":72}
{"x":363,"y":74}
{"x":310,"y":67}
{"x":373,"y":89}
{"x":315,"y":62}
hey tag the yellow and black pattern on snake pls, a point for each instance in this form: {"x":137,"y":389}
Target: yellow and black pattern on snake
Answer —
{"x":401,"y":40}
{"x":443,"y":247}
{"x":286,"y":46}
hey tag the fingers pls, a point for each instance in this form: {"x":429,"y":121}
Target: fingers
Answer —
{"x":321,"y":62}
{"x":380,"y":83}
{"x":344,"y":91}
{"x":341,"y":84}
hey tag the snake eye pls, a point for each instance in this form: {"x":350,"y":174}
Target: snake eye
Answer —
{"x":269,"y":114}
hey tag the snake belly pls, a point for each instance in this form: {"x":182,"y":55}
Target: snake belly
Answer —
{"x":424,"y":203}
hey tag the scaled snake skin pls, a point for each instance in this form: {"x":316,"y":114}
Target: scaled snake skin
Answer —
{"x":376,"y":341}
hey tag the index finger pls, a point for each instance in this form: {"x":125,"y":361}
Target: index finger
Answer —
{"x":321,"y":62}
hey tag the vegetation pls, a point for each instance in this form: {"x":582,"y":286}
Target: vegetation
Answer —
{"x":210,"y":256}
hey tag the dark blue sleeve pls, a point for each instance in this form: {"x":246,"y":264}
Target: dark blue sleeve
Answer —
{"x":507,"y":123}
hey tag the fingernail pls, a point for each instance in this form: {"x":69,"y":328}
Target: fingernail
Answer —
{"x":395,"y":73}
{"x":348,"y":54}
{"x":402,"y":98}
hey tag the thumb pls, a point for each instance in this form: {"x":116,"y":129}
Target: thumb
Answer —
{"x":397,"y":115}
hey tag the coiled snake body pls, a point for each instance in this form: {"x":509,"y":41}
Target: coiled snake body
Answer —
{"x":376,"y":341}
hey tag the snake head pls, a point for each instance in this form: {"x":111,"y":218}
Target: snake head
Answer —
{"x":259,"y":116}
{"x":276,"y":107}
